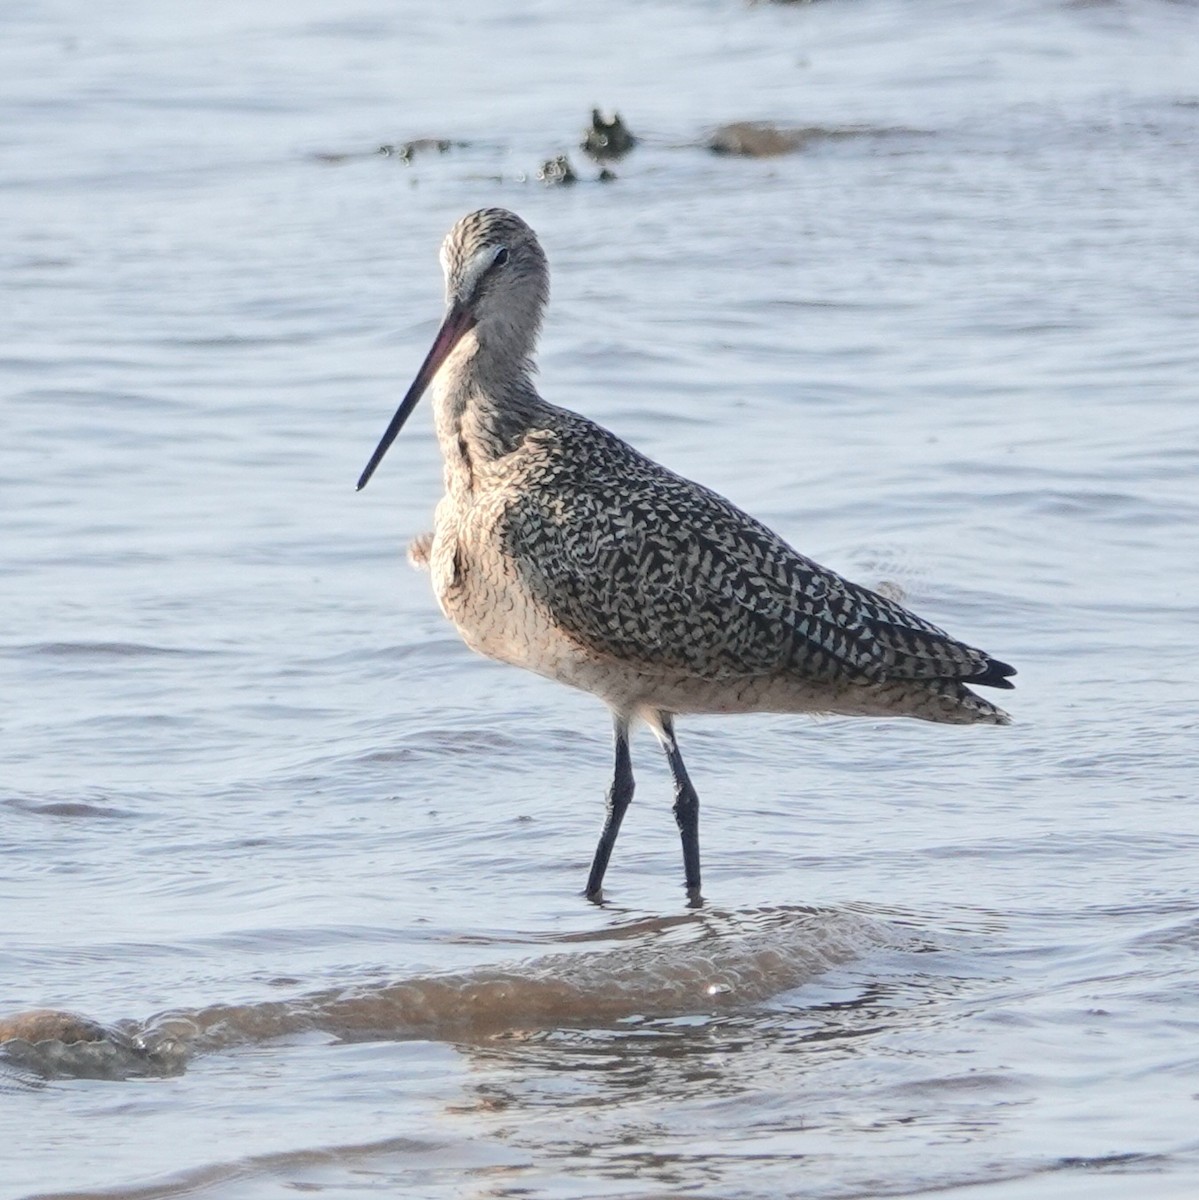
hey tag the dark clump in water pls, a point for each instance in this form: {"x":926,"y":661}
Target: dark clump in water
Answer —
{"x":557,"y":172}
{"x":606,"y":140}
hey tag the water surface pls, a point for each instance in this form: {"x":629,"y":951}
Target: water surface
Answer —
{"x":316,"y":869}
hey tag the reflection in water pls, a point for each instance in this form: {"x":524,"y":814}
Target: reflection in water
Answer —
{"x":649,"y":1100}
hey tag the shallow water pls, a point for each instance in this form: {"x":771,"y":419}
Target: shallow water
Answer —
{"x":316,"y":868}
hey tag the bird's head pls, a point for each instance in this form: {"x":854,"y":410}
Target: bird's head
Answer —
{"x":496,"y":284}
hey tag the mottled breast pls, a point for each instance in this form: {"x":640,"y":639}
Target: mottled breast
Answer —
{"x":478,"y":584}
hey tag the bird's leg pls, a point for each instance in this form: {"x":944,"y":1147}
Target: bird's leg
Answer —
{"x":619,"y":795}
{"x":686,"y":804}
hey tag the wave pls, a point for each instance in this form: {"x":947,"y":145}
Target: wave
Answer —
{"x":699,"y":963}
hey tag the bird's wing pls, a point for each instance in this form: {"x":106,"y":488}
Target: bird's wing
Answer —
{"x":650,"y":568}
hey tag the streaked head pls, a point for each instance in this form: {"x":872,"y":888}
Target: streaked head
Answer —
{"x":496,"y":286}
{"x":495,"y":267}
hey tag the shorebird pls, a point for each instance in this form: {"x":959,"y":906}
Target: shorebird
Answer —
{"x":559,"y":548}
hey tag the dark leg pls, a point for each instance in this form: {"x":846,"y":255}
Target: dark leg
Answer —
{"x":619,"y":795}
{"x":686,"y":805}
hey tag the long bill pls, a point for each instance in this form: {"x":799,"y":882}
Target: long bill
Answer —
{"x":458,"y":322}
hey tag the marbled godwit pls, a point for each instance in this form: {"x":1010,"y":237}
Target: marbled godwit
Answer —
{"x":559,"y":548}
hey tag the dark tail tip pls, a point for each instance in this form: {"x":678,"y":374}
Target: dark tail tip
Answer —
{"x":995,"y":675}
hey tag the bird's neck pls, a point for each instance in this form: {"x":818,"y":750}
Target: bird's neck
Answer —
{"x":485,"y":405}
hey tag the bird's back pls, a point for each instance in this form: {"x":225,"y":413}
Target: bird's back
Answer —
{"x":647,"y":568}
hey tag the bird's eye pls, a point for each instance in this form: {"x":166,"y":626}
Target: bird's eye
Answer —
{"x":501,"y":257}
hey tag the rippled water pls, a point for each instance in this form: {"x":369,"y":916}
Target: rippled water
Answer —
{"x":310,"y":873}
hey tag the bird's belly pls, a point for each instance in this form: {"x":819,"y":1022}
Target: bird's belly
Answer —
{"x":499,"y":621}
{"x":634,"y":689}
